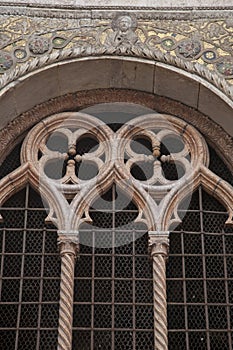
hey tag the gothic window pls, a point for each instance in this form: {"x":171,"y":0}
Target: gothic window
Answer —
{"x":85,"y":267}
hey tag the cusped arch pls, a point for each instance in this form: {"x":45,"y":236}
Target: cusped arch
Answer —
{"x":212,"y":184}
{"x":68,"y":216}
{"x":145,"y":205}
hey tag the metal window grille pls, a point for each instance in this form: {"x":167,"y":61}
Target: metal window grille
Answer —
{"x":30,"y":275}
{"x":113,"y":285}
{"x":200,"y":279}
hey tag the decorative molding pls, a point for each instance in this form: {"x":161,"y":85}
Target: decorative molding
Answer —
{"x":68,"y":11}
{"x":68,"y":243}
{"x":200,"y":47}
{"x":158,"y":243}
{"x":156,"y":55}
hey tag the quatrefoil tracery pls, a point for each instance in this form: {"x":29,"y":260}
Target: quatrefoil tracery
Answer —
{"x":158,"y":157}
{"x":71,"y":154}
{"x":166,"y":142}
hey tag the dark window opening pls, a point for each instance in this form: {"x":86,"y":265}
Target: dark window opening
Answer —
{"x":200,"y":278}
{"x":113,"y":299}
{"x":30,"y":275}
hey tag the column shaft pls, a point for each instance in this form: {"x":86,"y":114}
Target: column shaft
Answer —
{"x":68,"y":251}
{"x":160,"y":303}
{"x":159,"y":245}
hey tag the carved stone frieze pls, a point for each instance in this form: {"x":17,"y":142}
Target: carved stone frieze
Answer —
{"x":203,"y":46}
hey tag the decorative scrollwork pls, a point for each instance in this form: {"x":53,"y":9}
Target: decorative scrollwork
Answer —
{"x":200,"y":47}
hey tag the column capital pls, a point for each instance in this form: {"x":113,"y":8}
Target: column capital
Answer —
{"x":159,"y":243}
{"x":68,"y":242}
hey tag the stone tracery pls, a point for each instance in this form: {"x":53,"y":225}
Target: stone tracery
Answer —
{"x":114,"y":158}
{"x":158,"y":198}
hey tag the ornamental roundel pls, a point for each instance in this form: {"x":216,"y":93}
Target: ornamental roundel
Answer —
{"x":189,"y":49}
{"x":6,"y":61}
{"x":225,"y":67}
{"x":155,"y":159}
{"x":38,"y":45}
{"x":203,"y":47}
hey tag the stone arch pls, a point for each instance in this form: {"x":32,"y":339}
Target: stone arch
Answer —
{"x":208,"y":95}
{"x":27,"y":119}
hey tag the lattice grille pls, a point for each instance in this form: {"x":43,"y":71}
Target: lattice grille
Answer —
{"x":30,"y":275}
{"x":113,"y":285}
{"x":199,"y":278}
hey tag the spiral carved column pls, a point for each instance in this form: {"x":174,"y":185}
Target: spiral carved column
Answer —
{"x":69,"y":247}
{"x":159,"y":246}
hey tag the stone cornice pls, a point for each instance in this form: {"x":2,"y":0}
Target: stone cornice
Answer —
{"x":73,"y":12}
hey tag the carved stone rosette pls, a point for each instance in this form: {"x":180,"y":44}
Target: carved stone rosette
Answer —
{"x":159,"y":247}
{"x":194,"y":46}
{"x":68,"y":244}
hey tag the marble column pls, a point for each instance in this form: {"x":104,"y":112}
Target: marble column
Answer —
{"x":159,"y":249}
{"x":68,"y":244}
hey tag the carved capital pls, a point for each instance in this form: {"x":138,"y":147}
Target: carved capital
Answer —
{"x":159,"y":243}
{"x":68,"y":243}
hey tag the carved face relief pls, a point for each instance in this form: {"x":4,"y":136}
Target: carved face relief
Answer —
{"x":124,"y":23}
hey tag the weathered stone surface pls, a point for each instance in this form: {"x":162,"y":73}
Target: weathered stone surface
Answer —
{"x":133,"y":3}
{"x":176,"y":86}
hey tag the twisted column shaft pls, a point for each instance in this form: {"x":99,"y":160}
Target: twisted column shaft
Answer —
{"x":68,"y":249}
{"x":159,"y":244}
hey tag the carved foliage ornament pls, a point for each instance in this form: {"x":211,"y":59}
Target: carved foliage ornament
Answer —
{"x":201,"y":47}
{"x":156,"y":159}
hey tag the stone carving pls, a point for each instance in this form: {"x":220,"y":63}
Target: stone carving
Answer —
{"x":225,"y":67}
{"x":189,"y":48}
{"x":6,"y":61}
{"x":38,"y":45}
{"x":68,"y":243}
{"x":66,"y":302}
{"x":159,"y":243}
{"x":123,"y":36}
{"x":4,"y":39}
{"x":210,"y":130}
{"x":36,"y":152}
{"x":179,"y":43}
{"x":69,"y":247}
{"x":159,"y":196}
